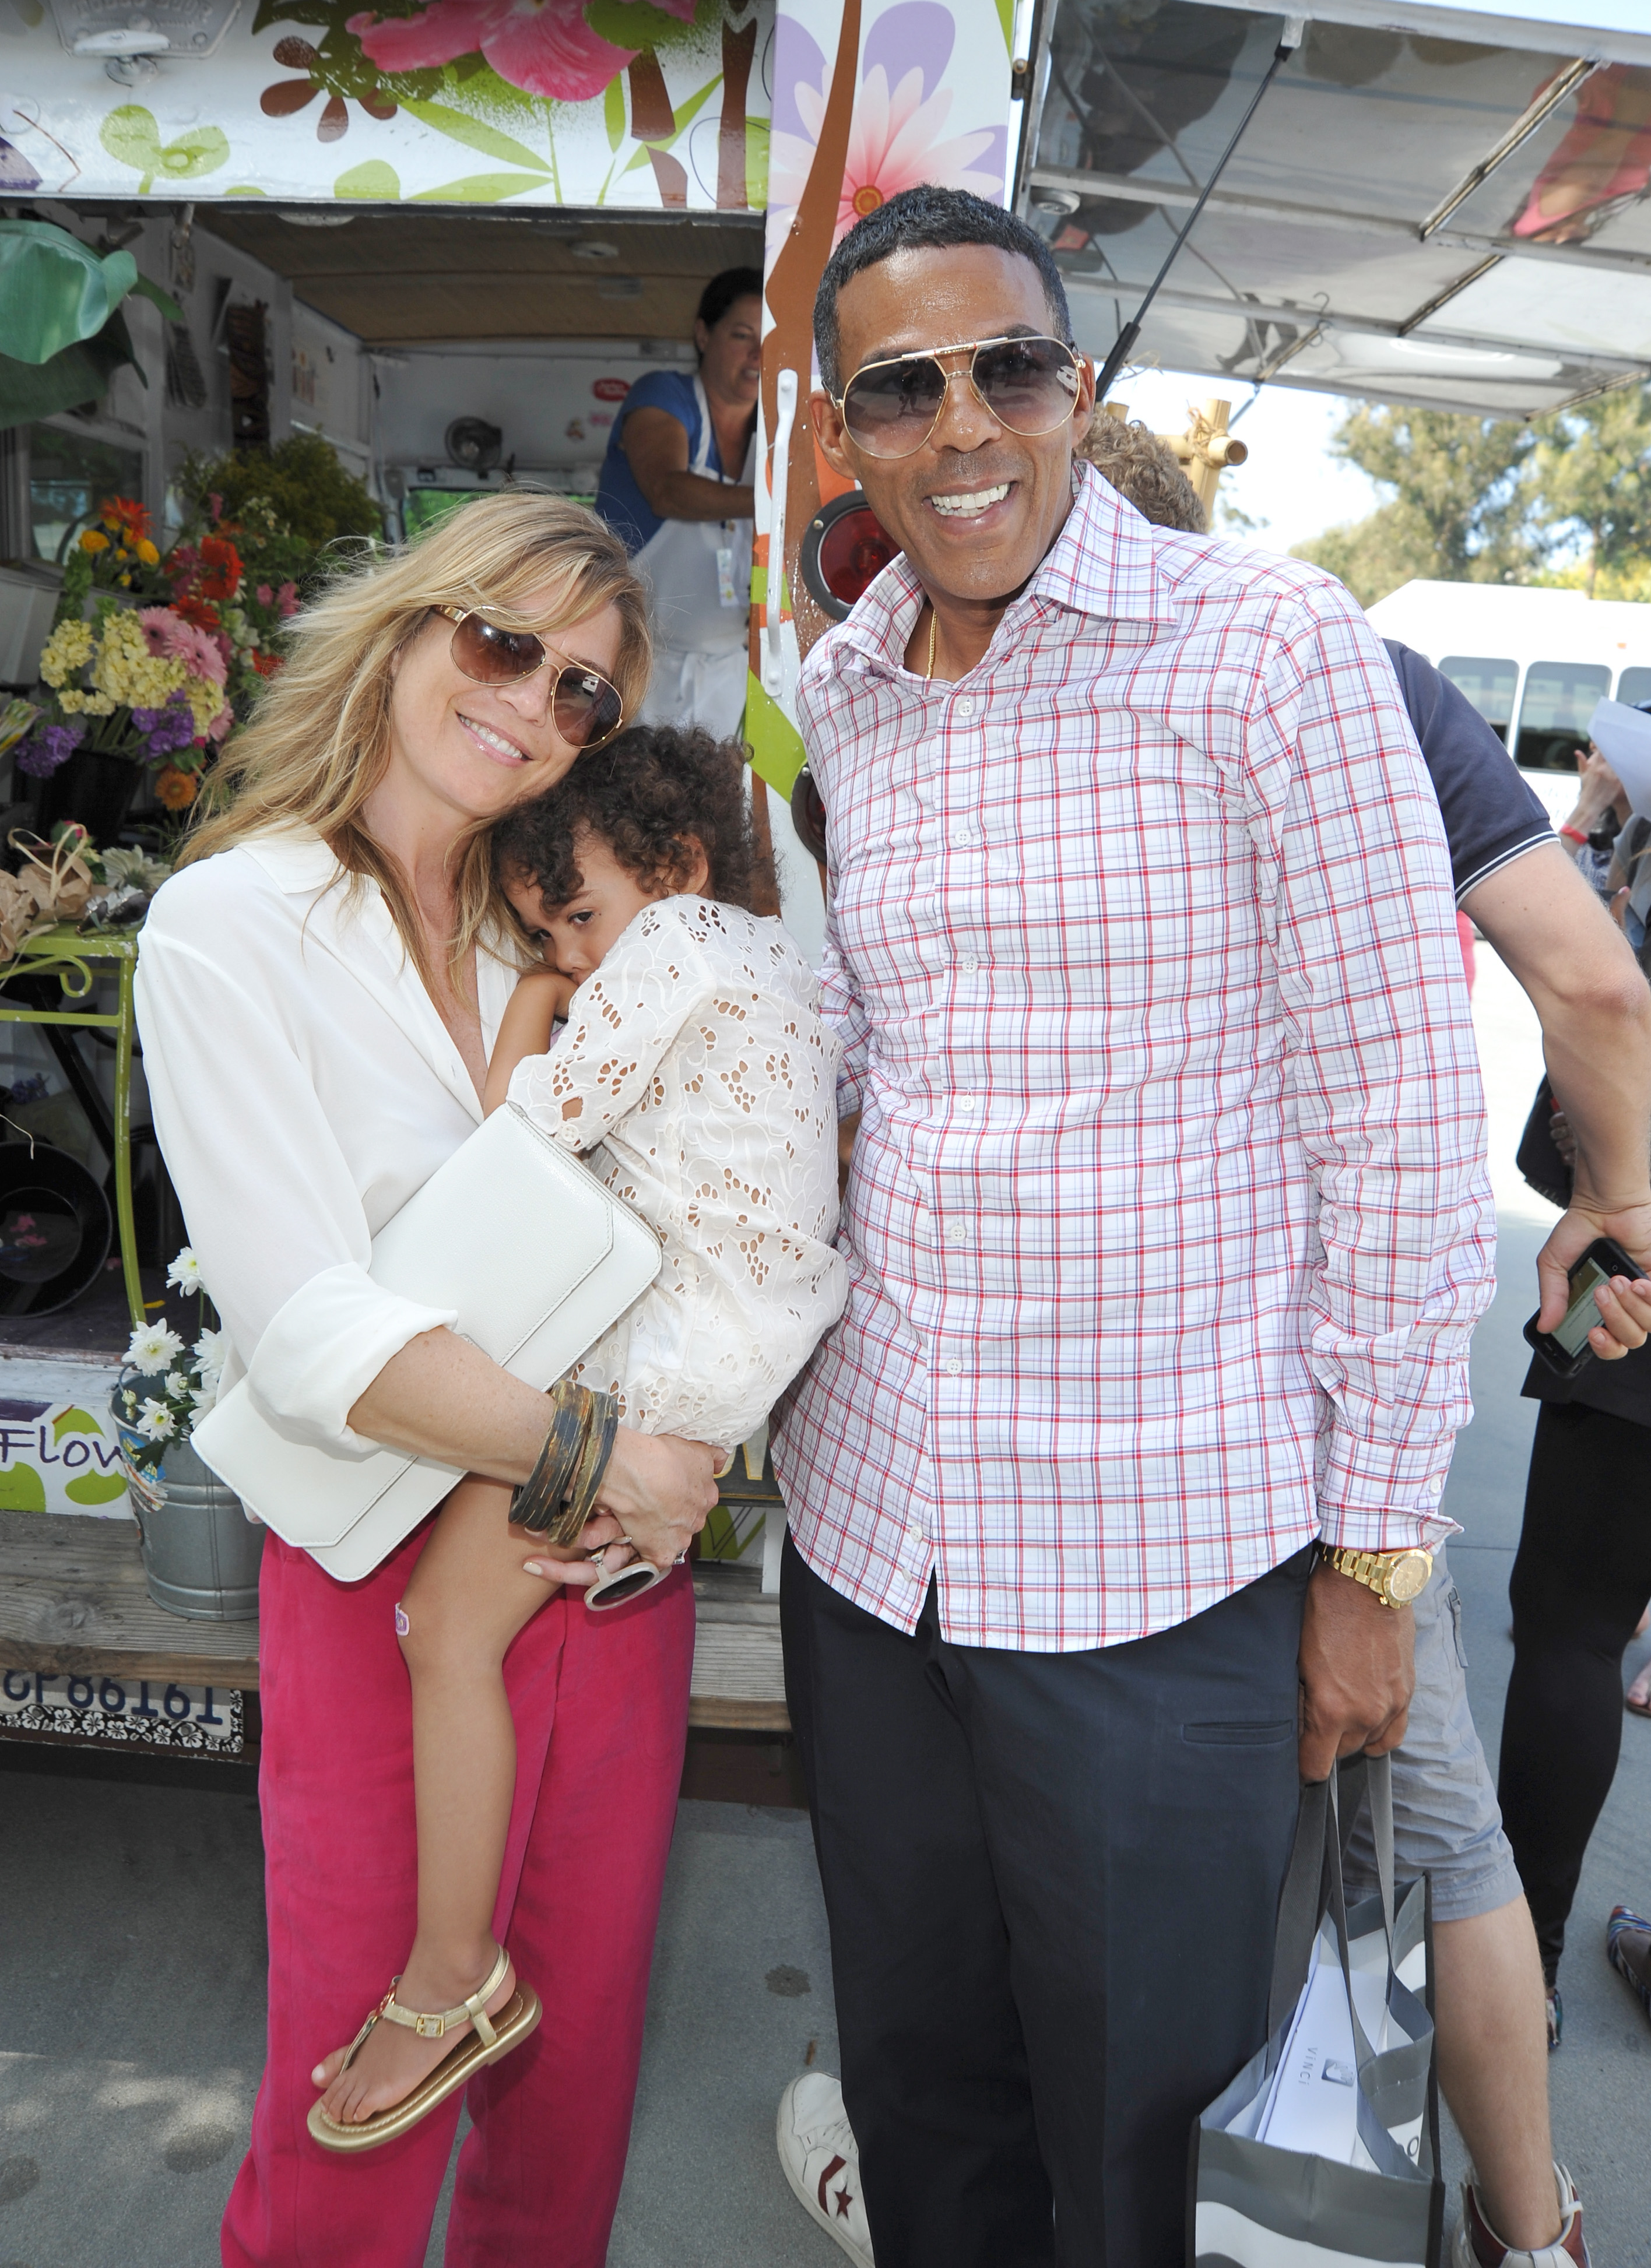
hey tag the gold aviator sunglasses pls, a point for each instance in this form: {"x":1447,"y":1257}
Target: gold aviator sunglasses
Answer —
{"x":585,"y":707}
{"x":1030,"y":386}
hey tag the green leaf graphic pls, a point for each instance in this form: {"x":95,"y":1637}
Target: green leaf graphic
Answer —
{"x":22,"y":1490}
{"x":478,"y":189}
{"x":131,"y":137}
{"x":375,"y":182}
{"x":487,"y":139}
{"x":74,"y":1421}
{"x":756,"y":164}
{"x":95,"y":1488}
{"x":614,"y":110}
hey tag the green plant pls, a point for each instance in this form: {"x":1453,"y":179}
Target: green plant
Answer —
{"x":300,"y":482}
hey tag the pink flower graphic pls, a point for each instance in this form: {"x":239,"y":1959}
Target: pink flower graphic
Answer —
{"x":170,"y":635}
{"x":544,"y":46}
{"x":894,"y":144}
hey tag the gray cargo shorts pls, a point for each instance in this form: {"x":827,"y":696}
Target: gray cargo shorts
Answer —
{"x":1445,"y":1820}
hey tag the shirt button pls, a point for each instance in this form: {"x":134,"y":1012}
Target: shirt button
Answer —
{"x":966,"y":1101}
{"x":966,"y":706}
{"x":955,"y":1231}
{"x":968,"y":963}
{"x":954,"y":1367}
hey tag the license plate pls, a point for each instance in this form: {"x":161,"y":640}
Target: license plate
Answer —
{"x":150,"y":1711}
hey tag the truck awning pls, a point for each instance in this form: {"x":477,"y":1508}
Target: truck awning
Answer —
{"x":1442,"y":207}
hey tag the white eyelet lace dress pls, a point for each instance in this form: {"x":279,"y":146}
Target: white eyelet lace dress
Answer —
{"x":695,"y":1058}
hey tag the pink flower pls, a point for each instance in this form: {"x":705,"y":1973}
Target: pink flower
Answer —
{"x":287,"y":599}
{"x":176,"y":640}
{"x":544,"y":46}
{"x":893,"y":145}
{"x":214,"y":505}
{"x":221,"y":723}
{"x":265,"y":596}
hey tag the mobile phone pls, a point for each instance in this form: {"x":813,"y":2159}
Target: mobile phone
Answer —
{"x":1567,"y":1348}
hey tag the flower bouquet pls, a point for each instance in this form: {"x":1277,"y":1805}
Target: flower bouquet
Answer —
{"x":201,"y":1553}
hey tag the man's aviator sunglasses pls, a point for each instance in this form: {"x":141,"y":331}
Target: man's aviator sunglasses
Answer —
{"x":1030,"y":386}
{"x":585,"y":707}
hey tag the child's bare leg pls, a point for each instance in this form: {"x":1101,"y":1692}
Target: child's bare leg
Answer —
{"x":466,"y":1602}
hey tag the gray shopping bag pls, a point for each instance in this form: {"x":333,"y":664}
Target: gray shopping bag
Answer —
{"x":1323,"y":2153}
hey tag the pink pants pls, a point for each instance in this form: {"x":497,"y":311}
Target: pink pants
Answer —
{"x":600,"y":1703}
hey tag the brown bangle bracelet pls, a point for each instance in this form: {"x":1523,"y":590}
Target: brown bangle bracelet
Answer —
{"x":599,"y":1448}
{"x":537,"y":1504}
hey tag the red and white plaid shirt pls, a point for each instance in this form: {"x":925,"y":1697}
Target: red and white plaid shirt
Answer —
{"x":1169,"y":1223}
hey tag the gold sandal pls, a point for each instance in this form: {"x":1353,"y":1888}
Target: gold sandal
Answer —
{"x":490,"y":2037}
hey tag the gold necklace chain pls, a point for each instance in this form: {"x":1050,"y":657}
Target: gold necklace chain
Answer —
{"x":934,"y":624}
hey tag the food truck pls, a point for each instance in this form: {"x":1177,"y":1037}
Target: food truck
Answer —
{"x":447,"y":238}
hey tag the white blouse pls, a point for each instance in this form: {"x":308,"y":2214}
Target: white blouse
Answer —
{"x":695,"y":1056}
{"x":304,"y":1086}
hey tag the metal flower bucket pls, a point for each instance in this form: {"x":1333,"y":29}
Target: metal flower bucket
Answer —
{"x":201,"y":1552}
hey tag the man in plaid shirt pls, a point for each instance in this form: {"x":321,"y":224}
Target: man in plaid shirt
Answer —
{"x":1167,"y":1227}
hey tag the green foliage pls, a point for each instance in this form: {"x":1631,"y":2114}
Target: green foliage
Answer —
{"x":301,"y":482}
{"x":1592,"y":481}
{"x":1485,"y":500}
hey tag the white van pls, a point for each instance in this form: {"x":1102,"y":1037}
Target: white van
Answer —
{"x":1533,"y":663}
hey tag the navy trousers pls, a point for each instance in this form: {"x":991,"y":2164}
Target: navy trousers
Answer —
{"x":1051,"y":1882}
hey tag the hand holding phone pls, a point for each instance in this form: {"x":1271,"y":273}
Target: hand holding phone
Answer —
{"x":1565,"y":1349}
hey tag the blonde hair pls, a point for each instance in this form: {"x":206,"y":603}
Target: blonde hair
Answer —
{"x":320,"y":741}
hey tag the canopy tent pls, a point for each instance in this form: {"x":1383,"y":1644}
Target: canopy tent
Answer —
{"x":1452,"y":215}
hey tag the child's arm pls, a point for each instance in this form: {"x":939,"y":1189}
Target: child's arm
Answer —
{"x":523,"y":1029}
{"x":624,"y":1018}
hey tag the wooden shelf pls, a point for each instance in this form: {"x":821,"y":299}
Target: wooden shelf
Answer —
{"x":72,"y":1599}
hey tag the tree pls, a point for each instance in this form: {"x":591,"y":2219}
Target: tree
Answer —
{"x":1590,"y":478}
{"x":1460,"y":510}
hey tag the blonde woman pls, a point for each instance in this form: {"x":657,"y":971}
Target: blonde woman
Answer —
{"x":318,"y":994}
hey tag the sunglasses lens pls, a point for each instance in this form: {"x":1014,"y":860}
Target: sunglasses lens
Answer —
{"x":491,"y":656}
{"x":588,"y":708}
{"x":889,"y":409}
{"x":1029,"y":384}
{"x":614,"y":1591}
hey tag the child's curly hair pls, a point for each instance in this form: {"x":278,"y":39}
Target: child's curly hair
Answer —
{"x":647,"y":795}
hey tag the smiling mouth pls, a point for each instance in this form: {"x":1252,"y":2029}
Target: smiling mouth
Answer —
{"x":493,"y":740}
{"x":968,"y":504}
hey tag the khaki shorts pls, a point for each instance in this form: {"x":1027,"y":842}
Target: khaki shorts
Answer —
{"x":1445,"y":1820}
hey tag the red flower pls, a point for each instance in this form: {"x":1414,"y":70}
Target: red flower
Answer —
{"x":265,"y":664}
{"x":130,"y":517}
{"x":544,"y":46}
{"x":220,"y":568}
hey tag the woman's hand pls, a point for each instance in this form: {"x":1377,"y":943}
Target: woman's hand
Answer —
{"x":660,"y":1490}
{"x":1600,"y":790}
{"x":559,"y":1564}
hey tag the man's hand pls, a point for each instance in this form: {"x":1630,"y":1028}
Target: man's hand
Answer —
{"x":1358,"y":1665}
{"x":1624,"y":1306}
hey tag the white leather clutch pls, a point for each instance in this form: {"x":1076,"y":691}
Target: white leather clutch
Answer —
{"x":537,"y":1258}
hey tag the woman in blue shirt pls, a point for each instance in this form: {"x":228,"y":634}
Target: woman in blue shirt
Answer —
{"x":685,"y":518}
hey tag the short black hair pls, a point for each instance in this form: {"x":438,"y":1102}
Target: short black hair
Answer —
{"x":722,"y":290}
{"x":928,"y":219}
{"x":645,"y":796}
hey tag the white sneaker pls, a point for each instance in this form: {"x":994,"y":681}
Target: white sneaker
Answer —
{"x":816,"y":2149}
{"x":1478,"y":2246}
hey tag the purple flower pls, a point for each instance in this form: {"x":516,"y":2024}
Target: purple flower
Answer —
{"x":48,"y":746}
{"x":169,"y":729}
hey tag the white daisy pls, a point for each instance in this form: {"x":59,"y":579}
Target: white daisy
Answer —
{"x":157,"y":1423}
{"x":212,"y":1353}
{"x":154,"y":1346}
{"x":185,"y":1272}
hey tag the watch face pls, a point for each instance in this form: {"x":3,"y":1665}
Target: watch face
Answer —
{"x":1407,"y":1578}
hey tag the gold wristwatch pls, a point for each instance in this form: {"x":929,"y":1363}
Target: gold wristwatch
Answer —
{"x":1395,"y":1577}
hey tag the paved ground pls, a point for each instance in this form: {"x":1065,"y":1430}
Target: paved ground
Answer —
{"x":131,"y":1948}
